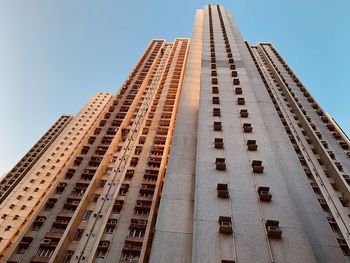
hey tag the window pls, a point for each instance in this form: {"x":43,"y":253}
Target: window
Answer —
{"x":134,"y":161}
{"x":110,"y":229}
{"x":24,"y":244}
{"x":50,"y":204}
{"x":68,"y":256}
{"x":102,"y":183}
{"x":101,"y":253}
{"x":129,"y":174}
{"x":95,"y":198}
{"x":130,"y":257}
{"x":136,"y":233}
{"x":78,"y":234}
{"x":87,"y":215}
{"x":45,"y":252}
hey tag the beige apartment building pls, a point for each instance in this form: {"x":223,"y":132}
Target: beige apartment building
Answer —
{"x":212,"y":151}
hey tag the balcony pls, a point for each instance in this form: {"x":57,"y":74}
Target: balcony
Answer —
{"x":132,"y":247}
{"x":143,"y":205}
{"x":118,"y":205}
{"x":38,"y":259}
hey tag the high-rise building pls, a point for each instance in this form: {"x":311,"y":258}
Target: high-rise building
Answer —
{"x":13,"y":177}
{"x":212,"y":151}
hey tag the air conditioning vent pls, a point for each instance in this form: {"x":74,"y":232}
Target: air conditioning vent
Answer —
{"x":142,"y":223}
{"x":272,"y":228}
{"x":264,"y":193}
{"x":46,"y":241}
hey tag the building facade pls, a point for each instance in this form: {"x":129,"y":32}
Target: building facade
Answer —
{"x":212,"y":151}
{"x":13,"y":177}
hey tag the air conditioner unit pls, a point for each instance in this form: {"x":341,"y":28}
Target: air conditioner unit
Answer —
{"x":75,"y":202}
{"x":46,"y":242}
{"x":104,"y":244}
{"x":142,"y":223}
{"x":225,"y":223}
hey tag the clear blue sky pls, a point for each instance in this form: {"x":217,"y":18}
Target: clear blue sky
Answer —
{"x":54,"y":55}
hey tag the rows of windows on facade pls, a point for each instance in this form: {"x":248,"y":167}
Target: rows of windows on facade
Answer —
{"x":210,"y":143}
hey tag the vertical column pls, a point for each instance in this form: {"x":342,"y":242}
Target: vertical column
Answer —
{"x":173,"y":230}
{"x":304,"y":137}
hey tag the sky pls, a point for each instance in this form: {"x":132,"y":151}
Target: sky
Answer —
{"x":55,"y":55}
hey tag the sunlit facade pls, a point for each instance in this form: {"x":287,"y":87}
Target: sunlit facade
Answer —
{"x":211,"y":151}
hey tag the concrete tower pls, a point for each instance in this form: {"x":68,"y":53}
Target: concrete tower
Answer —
{"x":212,"y":151}
{"x":258,"y":172}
